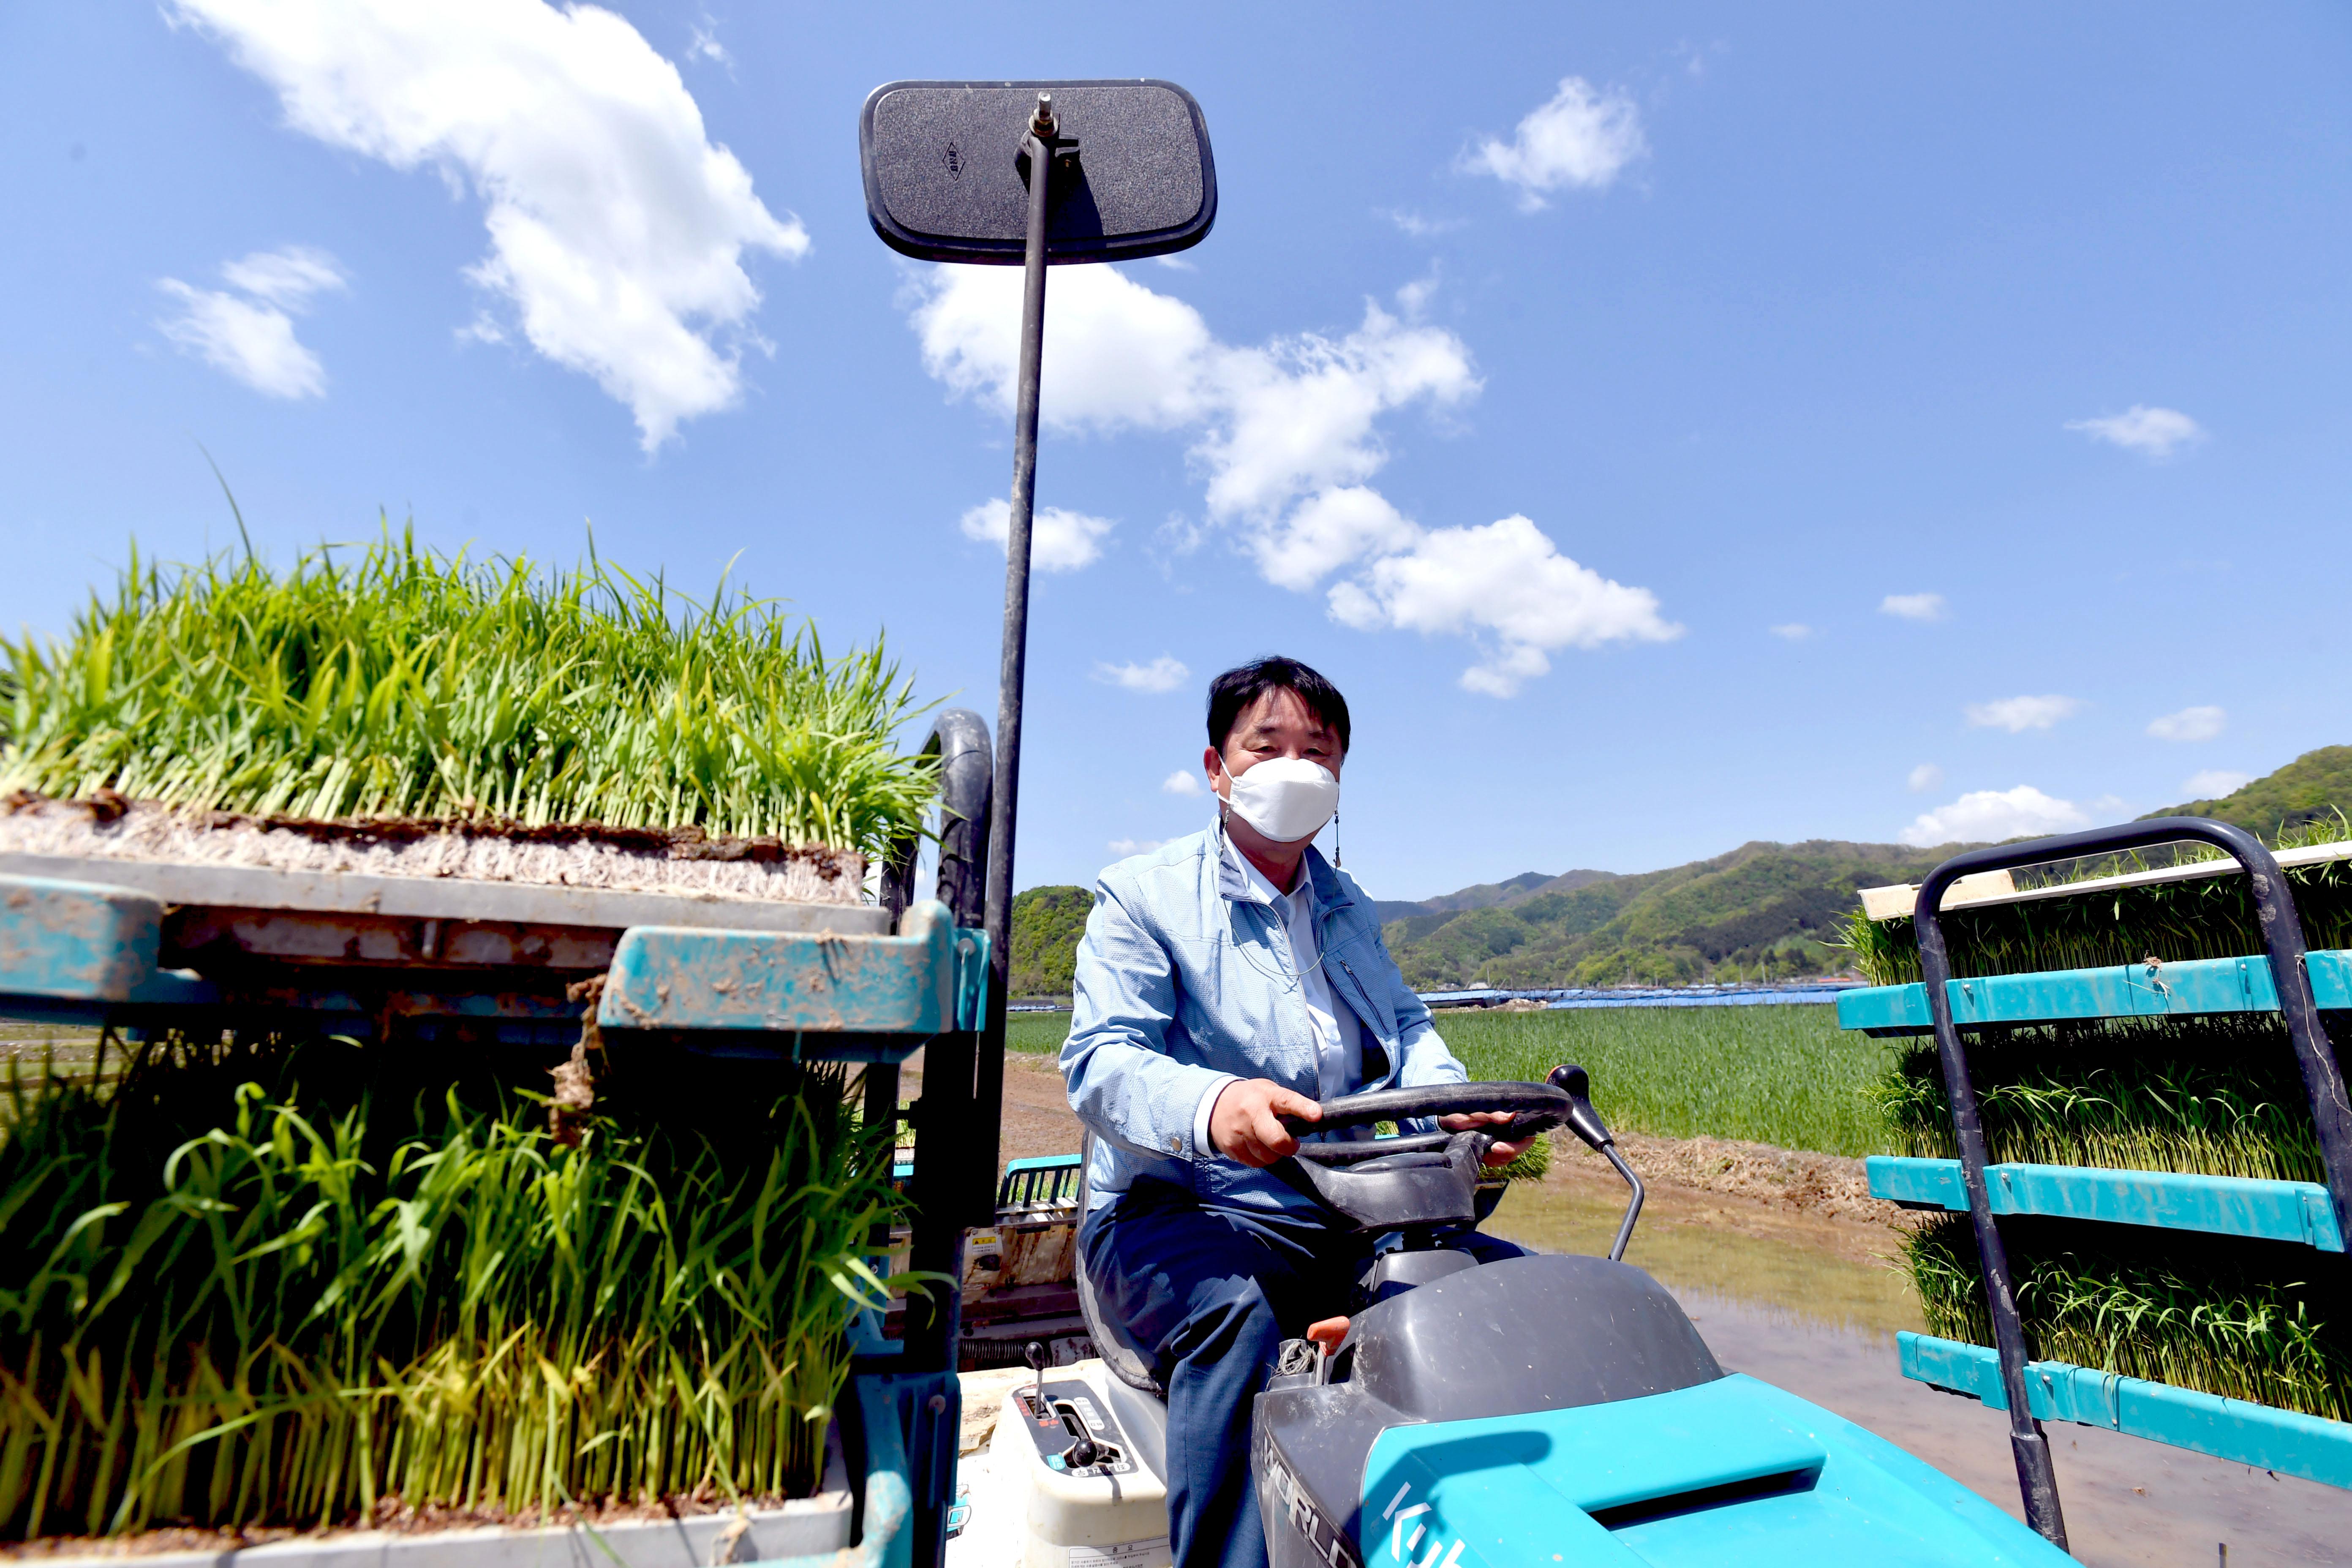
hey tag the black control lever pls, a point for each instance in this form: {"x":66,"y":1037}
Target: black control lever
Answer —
{"x":1085,"y":1451}
{"x":1586,"y":1123}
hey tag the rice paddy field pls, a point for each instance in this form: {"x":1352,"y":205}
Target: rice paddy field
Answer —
{"x":1782,"y":1074}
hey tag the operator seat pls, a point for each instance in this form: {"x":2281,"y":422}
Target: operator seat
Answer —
{"x":1124,"y":1362}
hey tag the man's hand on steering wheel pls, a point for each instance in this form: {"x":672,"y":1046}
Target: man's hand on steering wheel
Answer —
{"x":1501,"y":1154}
{"x":1244,"y":1124}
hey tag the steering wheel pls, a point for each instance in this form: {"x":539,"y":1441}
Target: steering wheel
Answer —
{"x":1427,"y":1179}
{"x":1534,"y":1108}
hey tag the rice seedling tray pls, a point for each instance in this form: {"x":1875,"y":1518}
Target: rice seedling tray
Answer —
{"x":2295,"y":1211}
{"x":2287,"y":1441}
{"x":806,"y":1529}
{"x":2006,"y":1000}
{"x":150,"y":944}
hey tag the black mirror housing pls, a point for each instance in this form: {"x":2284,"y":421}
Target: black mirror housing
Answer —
{"x":946,"y":178}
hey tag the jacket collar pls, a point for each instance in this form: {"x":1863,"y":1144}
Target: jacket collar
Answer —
{"x":1235,"y":883}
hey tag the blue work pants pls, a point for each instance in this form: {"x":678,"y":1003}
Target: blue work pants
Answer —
{"x":1207,"y":1295}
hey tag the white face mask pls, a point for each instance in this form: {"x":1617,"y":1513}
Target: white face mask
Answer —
{"x":1286,"y":798}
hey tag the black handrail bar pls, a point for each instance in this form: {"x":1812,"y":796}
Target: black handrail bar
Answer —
{"x":2323,"y":1080}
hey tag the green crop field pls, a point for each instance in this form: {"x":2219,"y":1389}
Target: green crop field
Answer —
{"x":1039,"y":1034}
{"x":1785,"y":1075}
{"x":1782,"y":1074}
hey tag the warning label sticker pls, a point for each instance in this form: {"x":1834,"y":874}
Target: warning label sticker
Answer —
{"x":1151,"y":1553}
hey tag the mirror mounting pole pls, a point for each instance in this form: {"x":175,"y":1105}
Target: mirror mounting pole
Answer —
{"x":1013,"y":669}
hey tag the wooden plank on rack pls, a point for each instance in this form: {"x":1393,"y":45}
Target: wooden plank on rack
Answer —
{"x":445,"y":898}
{"x":1897,"y":901}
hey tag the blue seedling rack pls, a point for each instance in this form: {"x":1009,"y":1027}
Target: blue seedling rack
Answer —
{"x":2284,"y":979}
{"x":141,"y":946}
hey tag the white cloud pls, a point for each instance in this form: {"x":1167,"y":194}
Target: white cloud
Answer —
{"x":1418,"y":227}
{"x":252,"y":339}
{"x":1580,"y":138}
{"x":2018,"y":714}
{"x":2214,"y":783}
{"x":1287,"y":436}
{"x":1134,"y":845}
{"x":1162,"y":674}
{"x":1508,"y":582}
{"x":286,"y":278}
{"x":1925,"y":777}
{"x":1913,"y":607}
{"x":617,"y":230}
{"x":1793,"y":631}
{"x":2154,"y":432}
{"x":1272,"y":424}
{"x":1988,"y":815}
{"x":2190,"y":724}
{"x":1326,"y":531}
{"x":1184,"y":782}
{"x":705,"y":45}
{"x":1059,"y":541}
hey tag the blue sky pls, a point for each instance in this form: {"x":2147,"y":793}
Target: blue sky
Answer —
{"x":1994,"y":357}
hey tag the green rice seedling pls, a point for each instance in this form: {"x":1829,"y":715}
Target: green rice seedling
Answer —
{"x":2244,"y":1319}
{"x":404,"y":683}
{"x":1784,"y":1075}
{"x":2207,"y":916}
{"x":245,"y":1283}
{"x":2218,"y":1096}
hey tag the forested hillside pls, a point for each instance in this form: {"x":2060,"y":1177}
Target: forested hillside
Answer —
{"x":1762,"y":907}
{"x":1763,"y":910}
{"x":1046,"y":924}
{"x":2317,"y":785}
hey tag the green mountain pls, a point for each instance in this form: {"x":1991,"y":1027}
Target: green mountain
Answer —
{"x":1047,"y":925}
{"x":1762,"y":909}
{"x":2317,"y":785}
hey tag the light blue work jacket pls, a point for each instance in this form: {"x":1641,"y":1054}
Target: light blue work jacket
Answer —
{"x":1184,"y":978}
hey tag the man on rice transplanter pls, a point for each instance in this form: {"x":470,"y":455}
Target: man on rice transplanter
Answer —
{"x":1227,"y":979}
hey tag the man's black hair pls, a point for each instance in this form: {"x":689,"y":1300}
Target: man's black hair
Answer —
{"x":1232,"y":694}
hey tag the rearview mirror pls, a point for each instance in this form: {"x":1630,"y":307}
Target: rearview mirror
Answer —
{"x":945,"y":180}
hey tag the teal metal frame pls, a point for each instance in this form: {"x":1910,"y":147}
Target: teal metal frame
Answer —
{"x":2286,"y":1441}
{"x":1049,"y":1179}
{"x":2295,"y":1211}
{"x":2187,"y":988}
{"x":2285,"y":979}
